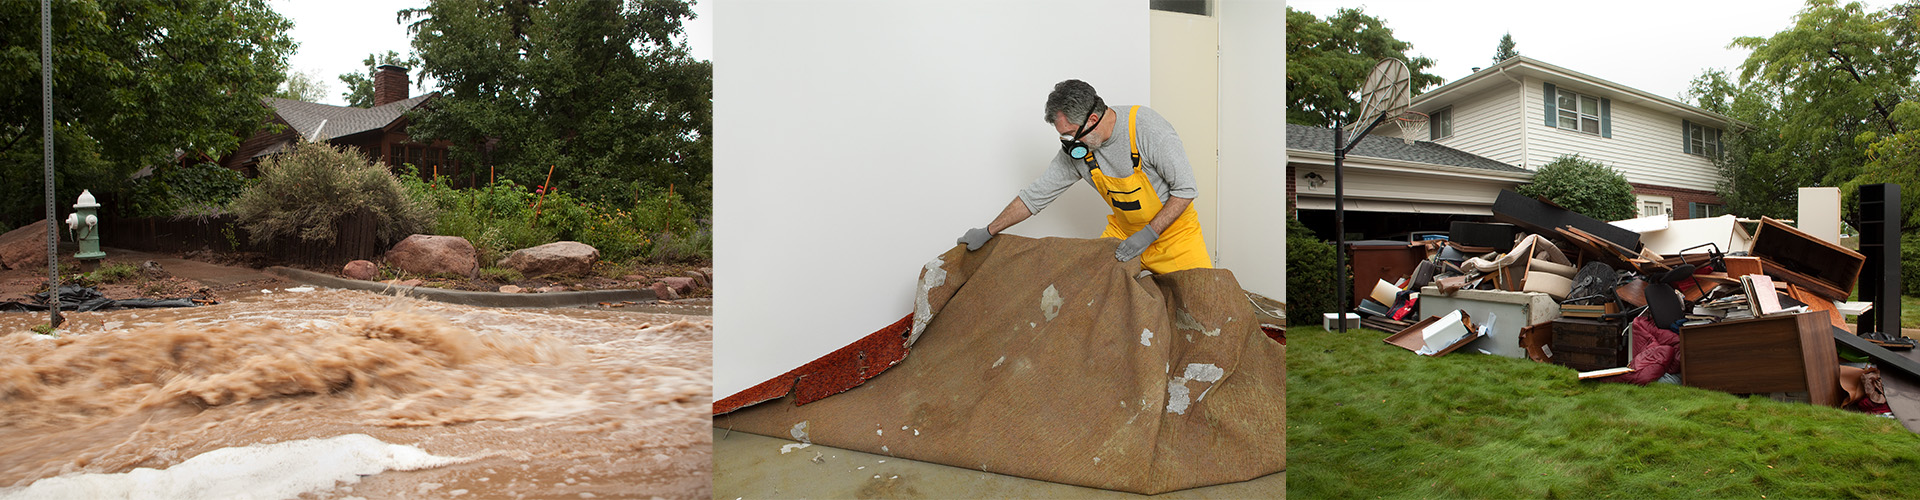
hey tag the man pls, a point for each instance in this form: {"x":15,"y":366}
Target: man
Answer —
{"x":1135,"y":160}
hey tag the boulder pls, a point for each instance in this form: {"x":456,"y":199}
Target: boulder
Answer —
{"x":680,"y":284}
{"x":360,"y":270}
{"x":25,"y":247}
{"x":427,"y":254}
{"x":699,"y":279}
{"x":509,"y":289}
{"x":558,"y":257}
{"x":664,"y":291}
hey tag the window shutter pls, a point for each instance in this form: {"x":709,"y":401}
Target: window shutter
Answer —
{"x":1686,"y":144}
{"x":1551,"y":108}
{"x":1606,"y":118}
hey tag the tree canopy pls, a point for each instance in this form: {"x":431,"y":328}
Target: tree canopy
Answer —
{"x":1329,"y":59}
{"x":604,"y":92}
{"x":359,"y":92}
{"x":134,"y":81}
{"x":1505,"y":50}
{"x":1831,"y":100}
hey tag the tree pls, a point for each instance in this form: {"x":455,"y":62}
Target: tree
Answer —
{"x":1505,"y":51}
{"x":134,"y":81}
{"x":1328,"y":60}
{"x":1760,"y":171}
{"x":1830,"y":89}
{"x":605,"y":93}
{"x":302,"y":86}
{"x":360,"y":87}
{"x":1583,"y":186}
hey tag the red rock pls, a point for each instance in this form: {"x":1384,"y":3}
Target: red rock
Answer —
{"x":25,"y":247}
{"x":699,"y":279}
{"x":510,"y":289}
{"x":361,"y":270}
{"x":680,"y":284}
{"x":664,"y":291}
{"x":557,"y":257}
{"x":427,"y":254}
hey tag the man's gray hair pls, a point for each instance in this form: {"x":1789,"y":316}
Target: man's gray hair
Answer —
{"x":1074,"y":98}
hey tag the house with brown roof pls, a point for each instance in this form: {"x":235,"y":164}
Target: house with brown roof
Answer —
{"x":379,"y":132}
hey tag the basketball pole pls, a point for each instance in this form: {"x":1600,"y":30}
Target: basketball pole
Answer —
{"x":1340,"y":149}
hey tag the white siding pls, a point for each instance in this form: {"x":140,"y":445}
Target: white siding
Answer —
{"x":1488,"y":124}
{"x":1645,"y":145}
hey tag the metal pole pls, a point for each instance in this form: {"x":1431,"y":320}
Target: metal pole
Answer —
{"x":1340,"y":225}
{"x":1340,"y":149}
{"x":46,"y":131}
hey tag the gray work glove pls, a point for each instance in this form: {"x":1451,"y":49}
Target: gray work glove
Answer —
{"x":974,"y":238}
{"x":1135,"y":244}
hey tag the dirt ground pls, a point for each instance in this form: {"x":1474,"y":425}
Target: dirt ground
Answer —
{"x":156,"y":282}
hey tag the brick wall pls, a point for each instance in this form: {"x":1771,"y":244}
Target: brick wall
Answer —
{"x":1682,"y":198}
{"x":1293,"y":198}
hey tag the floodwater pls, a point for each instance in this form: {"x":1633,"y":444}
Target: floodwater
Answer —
{"x":534,"y":403}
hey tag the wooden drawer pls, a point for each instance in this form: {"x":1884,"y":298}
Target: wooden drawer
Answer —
{"x":1588,"y":358}
{"x":1588,"y":333}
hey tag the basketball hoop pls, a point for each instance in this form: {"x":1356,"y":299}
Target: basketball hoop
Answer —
{"x":1388,"y":92}
{"x":1413,"y":125}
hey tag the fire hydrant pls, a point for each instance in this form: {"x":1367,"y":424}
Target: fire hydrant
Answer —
{"x":85,"y":226}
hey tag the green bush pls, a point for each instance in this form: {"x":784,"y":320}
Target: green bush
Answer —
{"x":1583,"y":186}
{"x":203,"y":189}
{"x":1310,"y":278}
{"x":501,"y":218}
{"x":302,"y":192}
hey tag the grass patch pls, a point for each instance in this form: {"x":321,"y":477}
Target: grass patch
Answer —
{"x":500,"y":274}
{"x":1909,"y":312}
{"x":115,"y":272}
{"x":1369,"y":420}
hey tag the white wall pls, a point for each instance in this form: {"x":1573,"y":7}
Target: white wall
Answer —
{"x":856,"y":139}
{"x":1645,"y":145}
{"x":1253,"y":149}
{"x":1186,"y":91}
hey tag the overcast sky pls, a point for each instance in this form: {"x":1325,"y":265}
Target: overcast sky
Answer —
{"x":335,"y":37}
{"x":1656,"y":46}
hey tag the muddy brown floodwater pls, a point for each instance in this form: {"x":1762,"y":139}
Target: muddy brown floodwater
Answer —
{"x":541,"y":403}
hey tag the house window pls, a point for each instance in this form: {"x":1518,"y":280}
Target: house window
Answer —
{"x":1440,"y":126}
{"x":1702,"y":210}
{"x":1195,"y":7}
{"x":1577,"y":112}
{"x":1703,"y":140}
{"x":1654,"y":205}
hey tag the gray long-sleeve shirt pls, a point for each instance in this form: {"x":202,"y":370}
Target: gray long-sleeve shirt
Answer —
{"x":1162,"y":158}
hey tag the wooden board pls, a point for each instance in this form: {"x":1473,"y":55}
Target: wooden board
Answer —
{"x":1826,"y":269}
{"x":1777,"y":354}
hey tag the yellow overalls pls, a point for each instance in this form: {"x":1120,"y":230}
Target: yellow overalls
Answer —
{"x":1134,"y":204}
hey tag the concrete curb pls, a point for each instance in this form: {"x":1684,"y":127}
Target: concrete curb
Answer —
{"x":485,"y":299}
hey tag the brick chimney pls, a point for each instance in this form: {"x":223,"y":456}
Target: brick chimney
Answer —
{"x":389,"y":84}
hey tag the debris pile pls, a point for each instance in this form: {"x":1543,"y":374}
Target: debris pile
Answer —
{"x":1741,"y":306}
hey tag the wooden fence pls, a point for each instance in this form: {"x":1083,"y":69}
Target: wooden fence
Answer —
{"x":355,"y":237}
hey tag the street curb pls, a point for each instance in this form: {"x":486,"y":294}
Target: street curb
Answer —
{"x":485,"y":299}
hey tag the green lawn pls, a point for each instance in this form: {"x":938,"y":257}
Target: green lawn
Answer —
{"x":1369,"y":420}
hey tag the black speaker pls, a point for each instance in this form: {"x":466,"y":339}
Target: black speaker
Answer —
{"x":1880,"y":242}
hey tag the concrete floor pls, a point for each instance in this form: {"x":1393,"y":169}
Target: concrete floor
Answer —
{"x":749,"y":466}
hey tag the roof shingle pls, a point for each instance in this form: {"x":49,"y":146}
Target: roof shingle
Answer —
{"x":1308,"y":138}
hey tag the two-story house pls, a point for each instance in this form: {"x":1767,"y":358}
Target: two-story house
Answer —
{"x":1490,"y":130}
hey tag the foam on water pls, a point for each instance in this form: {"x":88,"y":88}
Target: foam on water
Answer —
{"x":262,"y":472}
